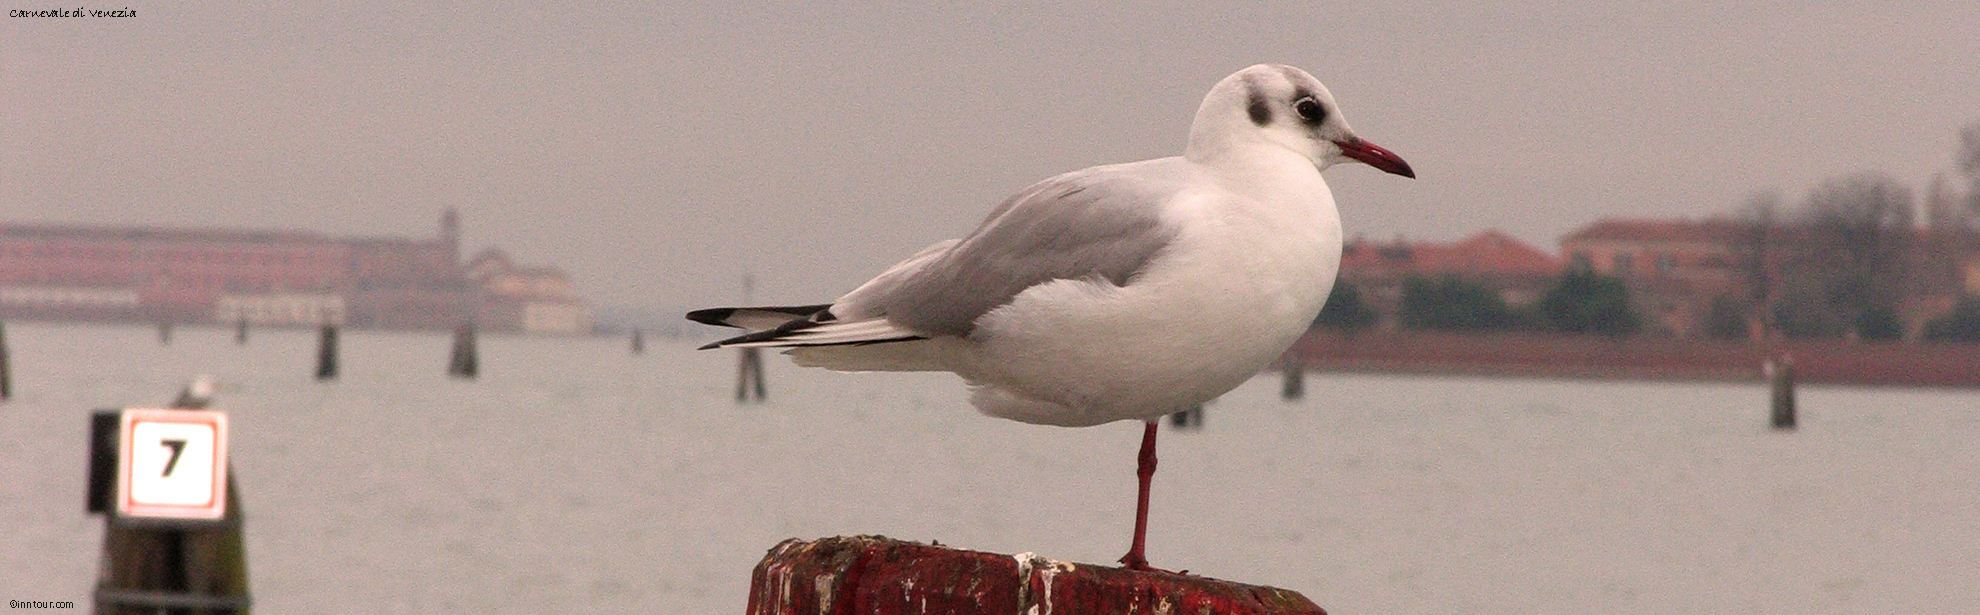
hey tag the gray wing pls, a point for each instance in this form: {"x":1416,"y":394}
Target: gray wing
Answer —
{"x":1102,"y":223}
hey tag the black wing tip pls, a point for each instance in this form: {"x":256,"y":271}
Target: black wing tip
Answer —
{"x":768,"y":335}
{"x":713,"y":316}
{"x":720,"y":316}
{"x":740,"y":340}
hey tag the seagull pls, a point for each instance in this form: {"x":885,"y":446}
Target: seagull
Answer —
{"x":1118,"y":292}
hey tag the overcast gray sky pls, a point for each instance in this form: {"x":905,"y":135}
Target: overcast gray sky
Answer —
{"x":658,"y":152}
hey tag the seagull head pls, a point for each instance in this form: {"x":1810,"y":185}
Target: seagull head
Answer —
{"x":1282,"y":106}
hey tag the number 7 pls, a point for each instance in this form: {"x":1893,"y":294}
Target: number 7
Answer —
{"x":177,"y":447}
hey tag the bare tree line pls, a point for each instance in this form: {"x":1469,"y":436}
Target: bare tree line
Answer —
{"x":1844,"y":261}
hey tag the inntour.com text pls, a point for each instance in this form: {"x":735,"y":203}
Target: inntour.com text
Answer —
{"x":38,"y":604}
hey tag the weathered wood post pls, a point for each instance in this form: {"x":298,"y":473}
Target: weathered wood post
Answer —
{"x":326,"y":353}
{"x":240,"y":331}
{"x":1187,"y":419}
{"x":464,"y":363}
{"x":164,"y":333}
{"x":749,"y":364}
{"x":749,"y":375}
{"x":881,"y":576}
{"x":1779,"y":370}
{"x":154,"y":564}
{"x":1293,"y":368}
{"x":6,"y":371}
{"x":638,"y":343}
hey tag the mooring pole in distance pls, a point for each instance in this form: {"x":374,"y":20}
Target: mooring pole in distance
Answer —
{"x":882,"y":576}
{"x":1187,"y":419}
{"x":6,"y":371}
{"x":749,"y":375}
{"x":160,"y":554}
{"x":164,"y":333}
{"x":240,"y":331}
{"x":1293,"y":367}
{"x":749,"y":364}
{"x":638,"y":343}
{"x":326,"y":353}
{"x":1780,"y":383}
{"x":464,"y":363}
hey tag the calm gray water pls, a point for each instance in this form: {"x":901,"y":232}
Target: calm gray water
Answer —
{"x":576,"y":477}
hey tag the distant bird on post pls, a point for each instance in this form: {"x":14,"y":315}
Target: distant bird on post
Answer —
{"x":197,"y":395}
{"x":1121,"y":292}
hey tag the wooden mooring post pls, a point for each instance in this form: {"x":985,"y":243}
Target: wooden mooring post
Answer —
{"x":152,"y":565}
{"x":6,"y":370}
{"x":1293,"y":368}
{"x":464,"y":363}
{"x":749,"y":375}
{"x":240,"y":331}
{"x":1191,"y":419}
{"x":749,"y":364}
{"x":638,"y":342}
{"x":877,"y":575}
{"x":1779,"y":370}
{"x":326,"y":353}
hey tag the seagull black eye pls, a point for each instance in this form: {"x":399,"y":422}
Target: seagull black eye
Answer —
{"x":1310,"y":110}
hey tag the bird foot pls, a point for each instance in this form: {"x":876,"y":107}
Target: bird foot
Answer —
{"x":1135,"y":561}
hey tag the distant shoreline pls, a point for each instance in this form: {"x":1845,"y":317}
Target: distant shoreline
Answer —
{"x":1540,"y":355}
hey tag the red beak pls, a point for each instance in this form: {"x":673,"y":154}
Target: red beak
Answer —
{"x":1375,"y":156}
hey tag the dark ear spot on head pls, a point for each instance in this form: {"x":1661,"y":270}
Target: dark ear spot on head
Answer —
{"x":1261,"y":113}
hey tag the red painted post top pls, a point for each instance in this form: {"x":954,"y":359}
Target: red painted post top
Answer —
{"x":876,"y":575}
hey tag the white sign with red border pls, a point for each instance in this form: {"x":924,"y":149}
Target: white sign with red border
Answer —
{"x":173,"y":464}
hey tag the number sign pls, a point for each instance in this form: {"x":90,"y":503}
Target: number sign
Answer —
{"x":173,"y":464}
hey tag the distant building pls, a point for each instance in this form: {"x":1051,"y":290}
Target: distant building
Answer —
{"x":1673,"y":268}
{"x":535,"y":299}
{"x":272,"y":278}
{"x":1519,"y":272}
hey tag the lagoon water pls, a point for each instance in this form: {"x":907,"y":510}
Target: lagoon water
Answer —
{"x":577,"y":477}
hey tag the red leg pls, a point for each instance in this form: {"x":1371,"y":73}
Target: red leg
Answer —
{"x":1135,"y":558}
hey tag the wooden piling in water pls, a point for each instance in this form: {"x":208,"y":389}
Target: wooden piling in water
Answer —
{"x":1293,"y":368}
{"x":749,"y":375}
{"x":6,"y":370}
{"x":638,"y":343}
{"x":1780,"y":384}
{"x":164,"y":333}
{"x":1188,"y":419}
{"x":240,"y":331}
{"x":326,"y":353}
{"x":152,"y":568}
{"x":881,"y":576}
{"x":463,"y":363}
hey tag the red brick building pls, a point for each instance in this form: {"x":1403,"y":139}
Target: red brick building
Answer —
{"x":1520,"y":272}
{"x":278,"y":278}
{"x":1674,"y":268}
